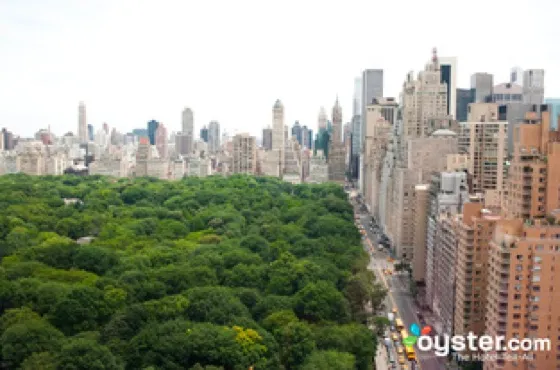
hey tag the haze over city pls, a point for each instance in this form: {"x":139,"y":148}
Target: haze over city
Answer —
{"x":132,"y":61}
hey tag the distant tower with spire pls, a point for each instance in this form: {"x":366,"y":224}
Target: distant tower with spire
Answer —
{"x":337,"y":149}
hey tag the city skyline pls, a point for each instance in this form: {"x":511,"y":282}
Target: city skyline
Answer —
{"x":63,"y":53}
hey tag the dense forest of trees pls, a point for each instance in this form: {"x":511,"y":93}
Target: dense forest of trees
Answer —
{"x":213,"y":273}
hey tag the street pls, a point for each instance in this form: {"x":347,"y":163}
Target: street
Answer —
{"x":398,"y":297}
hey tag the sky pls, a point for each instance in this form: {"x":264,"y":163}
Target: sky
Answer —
{"x":131,"y":61}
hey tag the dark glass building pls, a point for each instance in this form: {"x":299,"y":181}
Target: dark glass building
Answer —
{"x":90,"y":132}
{"x":204,"y":134}
{"x":152,"y":127}
{"x":464,"y":98}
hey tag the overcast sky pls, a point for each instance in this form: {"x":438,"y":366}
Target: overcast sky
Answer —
{"x":229,"y":60}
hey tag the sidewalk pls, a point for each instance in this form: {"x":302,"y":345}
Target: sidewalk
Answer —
{"x":381,"y":359}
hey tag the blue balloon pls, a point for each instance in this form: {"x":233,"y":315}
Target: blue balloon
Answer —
{"x":415,"y":329}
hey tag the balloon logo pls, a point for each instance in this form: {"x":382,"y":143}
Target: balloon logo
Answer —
{"x":426,"y":330}
{"x":410,"y":340}
{"x":415,"y":329}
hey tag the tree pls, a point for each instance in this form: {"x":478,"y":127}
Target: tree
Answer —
{"x":40,"y":361}
{"x":380,"y":323}
{"x":333,"y":360}
{"x":296,"y":342}
{"x":23,"y":339}
{"x":216,"y":272}
{"x":87,"y":354}
{"x":321,"y":301}
{"x":83,"y":309}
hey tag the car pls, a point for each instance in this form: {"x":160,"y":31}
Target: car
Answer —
{"x":395,"y":337}
{"x":402,"y":360}
{"x":395,"y":310}
{"x":400,"y":350}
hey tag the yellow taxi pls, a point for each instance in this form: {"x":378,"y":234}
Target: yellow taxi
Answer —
{"x":395,"y":310}
{"x":395,"y":337}
{"x":400,"y":350}
{"x":402,"y":360}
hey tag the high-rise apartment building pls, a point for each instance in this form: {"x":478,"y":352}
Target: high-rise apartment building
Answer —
{"x":278,"y":139}
{"x":523,"y":263}
{"x":187,"y":128}
{"x":82,"y":123}
{"x":356,"y":144}
{"x":152,"y":128}
{"x":424,"y":101}
{"x":381,"y":115}
{"x":337,"y":152}
{"x":143,"y":155}
{"x":187,"y":121}
{"x":484,"y":139}
{"x":533,"y":86}
{"x":482,"y":85}
{"x":448,"y":73}
{"x":267,"y":138}
{"x":447,"y":193}
{"x":162,"y":141}
{"x":182,"y":144}
{"x":214,"y":137}
{"x":372,"y":87}
{"x":475,"y":228}
{"x":244,"y":154}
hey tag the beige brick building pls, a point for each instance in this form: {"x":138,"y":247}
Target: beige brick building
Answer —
{"x":244,"y":154}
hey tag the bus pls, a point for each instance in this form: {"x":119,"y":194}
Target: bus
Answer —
{"x":410,"y":355}
{"x":399,"y":324}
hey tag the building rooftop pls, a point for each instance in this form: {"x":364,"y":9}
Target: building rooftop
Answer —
{"x":444,"y":132}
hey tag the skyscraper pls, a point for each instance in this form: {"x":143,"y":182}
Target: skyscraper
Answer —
{"x":267,"y":138}
{"x":297,"y":132}
{"x":82,"y":123}
{"x":204,"y":134}
{"x":214,"y":137}
{"x":162,"y":141}
{"x":482,"y":85}
{"x":187,"y":124}
{"x":152,"y":127}
{"x":336,"y":159}
{"x":516,"y":76}
{"x":322,"y":119}
{"x":448,"y":72}
{"x":372,"y":87}
{"x":307,"y":137}
{"x":90,"y":132}
{"x":533,"y":86}
{"x":356,"y":137}
{"x":278,"y":142}
{"x":464,"y":98}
